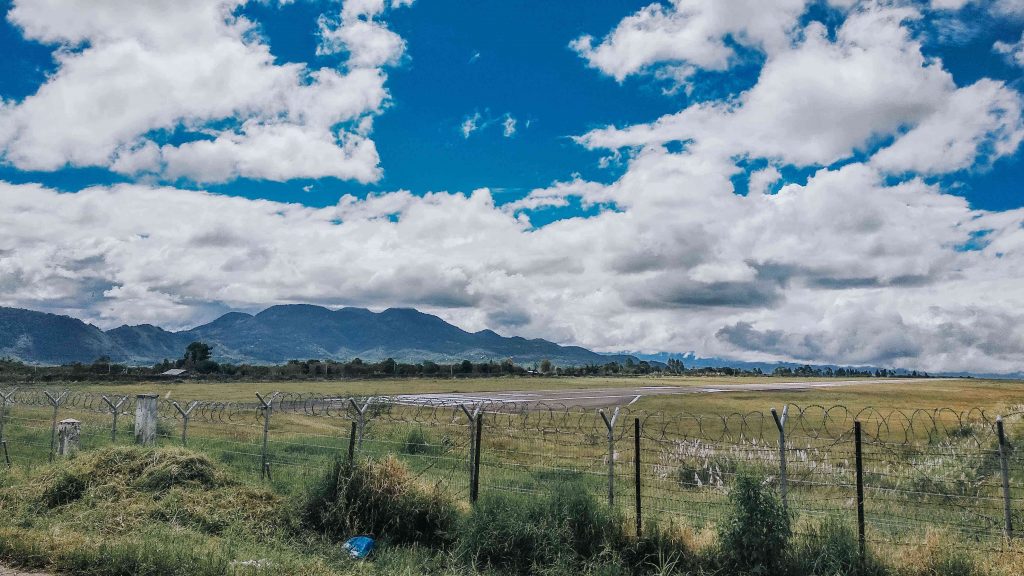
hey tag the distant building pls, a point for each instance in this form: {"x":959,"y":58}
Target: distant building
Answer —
{"x":174,"y":373}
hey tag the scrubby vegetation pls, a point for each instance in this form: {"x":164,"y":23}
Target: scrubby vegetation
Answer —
{"x":126,"y":510}
{"x":381,"y":499}
{"x":755,"y":536}
{"x":565,"y":528}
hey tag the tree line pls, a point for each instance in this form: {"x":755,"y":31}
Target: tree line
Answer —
{"x":197,"y":361}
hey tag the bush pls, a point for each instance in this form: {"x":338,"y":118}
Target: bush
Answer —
{"x":660,"y":550}
{"x":416,"y":442}
{"x":525,"y":533}
{"x":756,"y":533}
{"x":380,"y":498}
{"x":827,"y":549}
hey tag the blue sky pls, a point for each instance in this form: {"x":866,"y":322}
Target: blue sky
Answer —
{"x":499,"y":58}
{"x":833,"y":181}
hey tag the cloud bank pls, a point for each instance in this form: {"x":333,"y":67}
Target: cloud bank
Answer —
{"x":867,"y":260}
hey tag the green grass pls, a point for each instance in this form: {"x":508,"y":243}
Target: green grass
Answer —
{"x":168,"y":511}
{"x":918,"y":492}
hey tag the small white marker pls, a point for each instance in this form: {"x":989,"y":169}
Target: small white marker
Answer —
{"x":633,"y":400}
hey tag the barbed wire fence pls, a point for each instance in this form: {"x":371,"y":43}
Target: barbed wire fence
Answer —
{"x":893,"y":474}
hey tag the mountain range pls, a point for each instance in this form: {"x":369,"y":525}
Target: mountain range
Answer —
{"x":279,"y":334}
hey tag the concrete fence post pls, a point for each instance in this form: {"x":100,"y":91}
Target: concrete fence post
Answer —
{"x":69,"y":433}
{"x":145,"y":419}
{"x":55,"y":402}
{"x":610,"y":424}
{"x":115,"y":411}
{"x":780,"y":423}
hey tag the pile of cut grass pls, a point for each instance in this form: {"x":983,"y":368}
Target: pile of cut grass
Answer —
{"x":160,"y":512}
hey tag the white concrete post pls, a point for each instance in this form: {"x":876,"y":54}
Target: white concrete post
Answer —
{"x":145,"y":419}
{"x":69,"y":432}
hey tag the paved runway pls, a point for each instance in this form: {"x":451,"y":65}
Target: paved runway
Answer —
{"x":623,"y":396}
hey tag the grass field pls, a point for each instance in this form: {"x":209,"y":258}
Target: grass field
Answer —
{"x":925,"y":485}
{"x":953,"y":393}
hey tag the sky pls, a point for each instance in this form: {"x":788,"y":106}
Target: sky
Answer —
{"x":829,"y":181}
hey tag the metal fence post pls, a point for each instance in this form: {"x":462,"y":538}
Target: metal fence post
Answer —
{"x":472,"y":416}
{"x":780,"y":423}
{"x":7,"y":457}
{"x":185,"y":415}
{"x":115,"y":411}
{"x":636,"y":475}
{"x":267,"y":406}
{"x":610,"y":424}
{"x":860,"y":491}
{"x":361,"y":412}
{"x":6,"y":396}
{"x":1004,"y":466}
{"x":352,"y":443}
{"x":474,"y":488}
{"x":53,"y":430}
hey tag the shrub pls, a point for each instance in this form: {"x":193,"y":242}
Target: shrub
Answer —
{"x":828,"y":548}
{"x":379,"y":497}
{"x":525,"y":533}
{"x":756,"y":532}
{"x":416,"y":442}
{"x":660,"y":550}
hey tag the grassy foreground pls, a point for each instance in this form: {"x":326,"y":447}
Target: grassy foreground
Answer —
{"x":168,"y":511}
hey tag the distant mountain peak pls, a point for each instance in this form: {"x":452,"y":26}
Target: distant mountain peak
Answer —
{"x":277,"y":334}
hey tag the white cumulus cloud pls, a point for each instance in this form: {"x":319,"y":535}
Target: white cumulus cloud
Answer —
{"x":128,"y":72}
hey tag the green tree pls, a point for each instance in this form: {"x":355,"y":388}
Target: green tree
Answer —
{"x":545,"y":366}
{"x":197,"y":352}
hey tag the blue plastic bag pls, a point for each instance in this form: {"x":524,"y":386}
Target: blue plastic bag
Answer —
{"x":359,"y":547}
